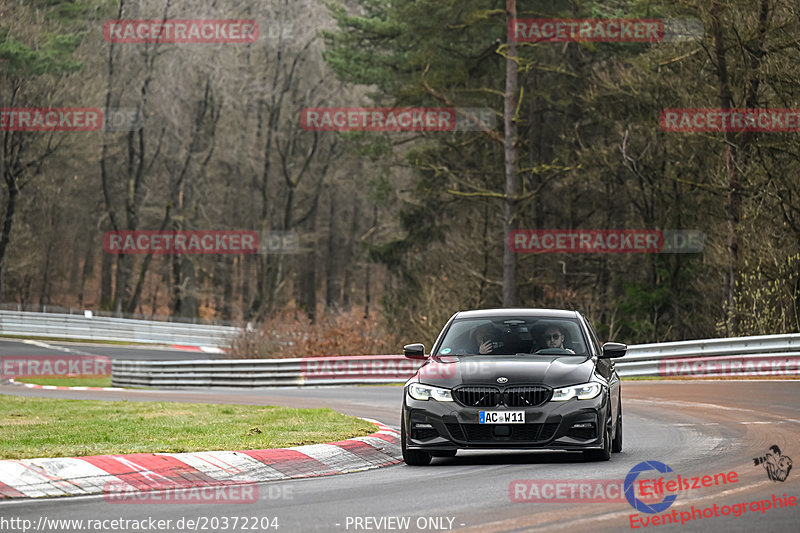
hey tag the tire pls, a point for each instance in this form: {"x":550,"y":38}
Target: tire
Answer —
{"x":412,"y":457}
{"x":616,"y":444}
{"x":600,"y":455}
{"x":445,"y":453}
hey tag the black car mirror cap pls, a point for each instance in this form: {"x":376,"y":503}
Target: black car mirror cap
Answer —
{"x":612,"y":350}
{"x":414,"y":351}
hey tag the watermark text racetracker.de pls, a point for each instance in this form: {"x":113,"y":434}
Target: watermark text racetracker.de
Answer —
{"x":731,"y":366}
{"x":195,"y":31}
{"x":358,"y":367}
{"x":54,"y":366}
{"x":400,"y":119}
{"x":200,"y":242}
{"x":568,"y":491}
{"x":562,"y":30}
{"x":180,"y":242}
{"x":585,"y":30}
{"x":223,"y":493}
{"x":618,"y":241}
{"x":730,"y":120}
{"x":75,"y":119}
{"x":649,"y":491}
{"x":234,"y":523}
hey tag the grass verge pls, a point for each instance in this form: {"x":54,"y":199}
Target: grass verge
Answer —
{"x":89,"y":381}
{"x":43,"y":427}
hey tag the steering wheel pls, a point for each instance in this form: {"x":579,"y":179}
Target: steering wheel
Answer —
{"x":554,"y":351}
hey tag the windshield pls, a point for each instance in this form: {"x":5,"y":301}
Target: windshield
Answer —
{"x":509,"y":336}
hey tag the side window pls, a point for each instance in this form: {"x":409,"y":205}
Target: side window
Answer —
{"x":575,"y":337}
{"x":593,"y":337}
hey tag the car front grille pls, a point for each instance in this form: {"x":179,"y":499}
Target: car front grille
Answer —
{"x":518,"y":432}
{"x":478,"y":396}
{"x":530,"y":396}
{"x":516,"y":396}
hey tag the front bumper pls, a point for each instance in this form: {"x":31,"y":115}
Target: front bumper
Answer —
{"x":436,"y":426}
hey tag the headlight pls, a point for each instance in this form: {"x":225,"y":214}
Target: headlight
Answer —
{"x":586,"y":391}
{"x":426,"y":392}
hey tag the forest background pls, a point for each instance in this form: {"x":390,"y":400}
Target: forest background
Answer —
{"x":397,"y":231}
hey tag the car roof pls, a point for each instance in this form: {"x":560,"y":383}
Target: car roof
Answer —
{"x":517,"y":312}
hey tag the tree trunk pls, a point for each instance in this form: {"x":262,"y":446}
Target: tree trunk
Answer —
{"x":44,"y":296}
{"x":367,"y":274}
{"x":121,"y":289}
{"x":227,"y":288}
{"x":106,"y":280}
{"x":352,"y":263}
{"x":88,"y":266}
{"x":733,"y":147}
{"x":511,"y":160}
{"x":308,"y":274}
{"x":333,"y":288}
{"x":8,"y":222}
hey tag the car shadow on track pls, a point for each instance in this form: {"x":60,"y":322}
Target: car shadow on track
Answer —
{"x":507,"y":457}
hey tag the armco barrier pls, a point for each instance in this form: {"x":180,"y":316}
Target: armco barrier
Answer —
{"x":651,"y":359}
{"x":28,"y":324}
{"x":774,"y":356}
{"x":263,"y":372}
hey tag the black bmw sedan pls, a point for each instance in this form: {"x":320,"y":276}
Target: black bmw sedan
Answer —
{"x":513,"y":379}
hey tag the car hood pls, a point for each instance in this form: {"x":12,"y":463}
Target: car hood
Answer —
{"x":555,"y":371}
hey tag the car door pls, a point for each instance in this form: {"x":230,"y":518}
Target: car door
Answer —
{"x":605,"y":367}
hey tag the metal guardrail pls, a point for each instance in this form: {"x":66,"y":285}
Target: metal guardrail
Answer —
{"x":336,"y":370}
{"x":67,"y":326}
{"x":207,"y":373}
{"x":744,"y":356}
{"x":711,"y":357}
{"x":710,"y":347}
{"x":61,"y":310}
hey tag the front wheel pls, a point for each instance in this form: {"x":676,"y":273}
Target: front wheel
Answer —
{"x":616,"y":444}
{"x":412,"y":457}
{"x":600,"y":455}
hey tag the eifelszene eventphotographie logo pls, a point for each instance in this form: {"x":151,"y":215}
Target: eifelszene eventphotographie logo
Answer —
{"x":636,"y":503}
{"x":777,"y":466}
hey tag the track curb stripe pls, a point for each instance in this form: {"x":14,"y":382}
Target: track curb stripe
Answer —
{"x":12,"y":381}
{"x":35,"y":478}
{"x":292,"y":463}
{"x":9,"y":492}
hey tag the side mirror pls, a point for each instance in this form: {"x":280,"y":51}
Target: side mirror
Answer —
{"x":414,"y":351}
{"x":612,"y":350}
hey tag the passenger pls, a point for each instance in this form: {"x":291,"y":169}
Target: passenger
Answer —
{"x":485,"y":339}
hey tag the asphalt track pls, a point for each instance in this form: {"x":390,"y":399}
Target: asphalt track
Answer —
{"x":695,"y":427}
{"x":19,"y":348}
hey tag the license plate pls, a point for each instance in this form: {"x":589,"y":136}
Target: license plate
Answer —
{"x":501,"y":417}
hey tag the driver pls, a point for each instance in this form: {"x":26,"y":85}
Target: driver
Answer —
{"x":554,"y":338}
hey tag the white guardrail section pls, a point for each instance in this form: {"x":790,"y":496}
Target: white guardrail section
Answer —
{"x":764,"y":356}
{"x":28,"y":324}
